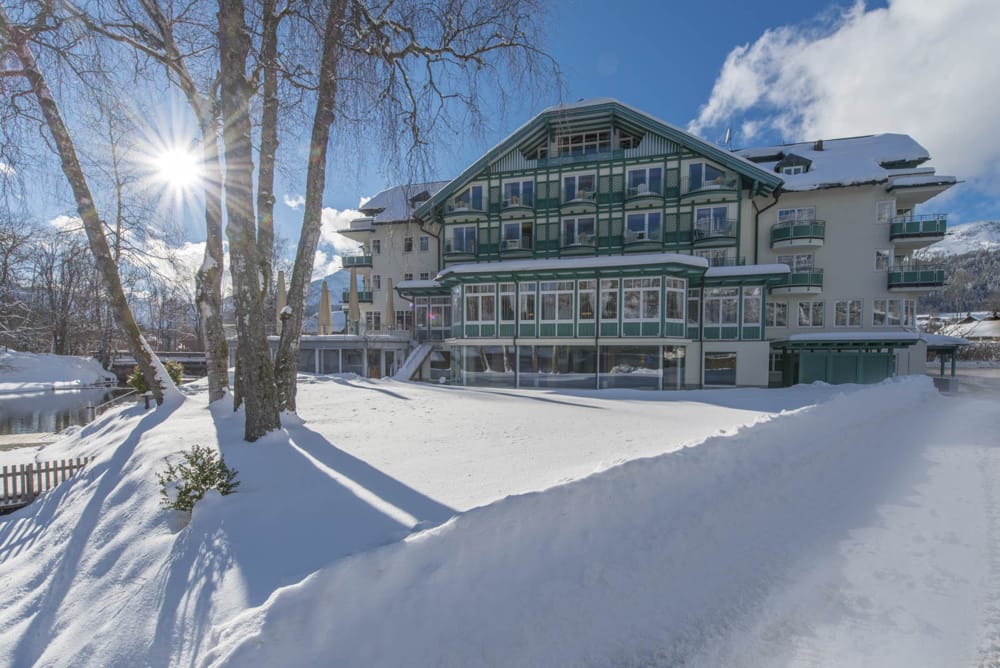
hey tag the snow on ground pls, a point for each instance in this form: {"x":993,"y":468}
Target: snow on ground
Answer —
{"x":27,"y":372}
{"x":817,"y":525}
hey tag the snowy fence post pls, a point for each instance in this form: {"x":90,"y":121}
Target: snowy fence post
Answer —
{"x":148,"y":398}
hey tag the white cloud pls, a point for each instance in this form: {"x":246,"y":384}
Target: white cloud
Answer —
{"x":919,"y":67}
{"x":333,"y":220}
{"x":293,"y":202}
{"x":67,"y":223}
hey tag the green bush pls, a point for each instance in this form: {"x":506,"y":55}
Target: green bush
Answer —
{"x":136,"y":380}
{"x":183,"y":484}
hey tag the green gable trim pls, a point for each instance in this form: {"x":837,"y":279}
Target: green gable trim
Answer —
{"x":607,"y":112}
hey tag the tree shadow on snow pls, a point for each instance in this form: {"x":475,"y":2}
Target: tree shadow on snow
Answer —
{"x":259,"y":540}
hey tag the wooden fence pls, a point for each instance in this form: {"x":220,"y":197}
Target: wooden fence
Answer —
{"x":22,"y":483}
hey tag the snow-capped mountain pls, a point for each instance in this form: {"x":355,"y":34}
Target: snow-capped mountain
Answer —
{"x":983,"y":235}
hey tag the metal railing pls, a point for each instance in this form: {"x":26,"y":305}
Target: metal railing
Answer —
{"x":930,"y":224}
{"x":798,"y":229}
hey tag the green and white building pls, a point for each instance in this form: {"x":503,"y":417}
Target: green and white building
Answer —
{"x":598,"y":246}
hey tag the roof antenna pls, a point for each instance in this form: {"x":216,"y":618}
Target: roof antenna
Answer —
{"x":728,"y":139}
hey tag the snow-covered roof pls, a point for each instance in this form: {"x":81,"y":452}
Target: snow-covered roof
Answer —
{"x":942,"y":340}
{"x":576,"y":263}
{"x":395,"y":204}
{"x":867,"y":335}
{"x":747,"y":270}
{"x":852,"y":161}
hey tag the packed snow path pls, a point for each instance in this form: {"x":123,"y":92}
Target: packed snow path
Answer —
{"x":860,"y":532}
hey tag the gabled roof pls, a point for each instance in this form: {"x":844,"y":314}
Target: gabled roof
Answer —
{"x":621,"y":114}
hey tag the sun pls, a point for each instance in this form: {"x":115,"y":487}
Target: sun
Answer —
{"x":179,"y":168}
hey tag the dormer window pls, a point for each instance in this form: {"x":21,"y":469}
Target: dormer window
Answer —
{"x":792,"y":164}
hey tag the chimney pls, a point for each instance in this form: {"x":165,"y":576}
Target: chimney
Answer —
{"x":818,"y":146}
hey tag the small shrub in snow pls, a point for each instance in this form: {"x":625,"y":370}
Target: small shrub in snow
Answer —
{"x":136,"y":380}
{"x":183,"y":484}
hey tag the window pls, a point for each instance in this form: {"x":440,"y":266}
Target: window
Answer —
{"x":408,"y":244}
{"x":793,"y":170}
{"x":425,"y":276}
{"x":885,"y":210}
{"x":776,"y":314}
{"x":801,"y":262}
{"x":712,"y":221}
{"x":810,"y":314}
{"x":527,"y":302}
{"x":519,"y":193}
{"x":517,"y":236}
{"x":376,"y":282}
{"x":645,"y":181}
{"x":557,"y":300}
{"x":480,"y":303}
{"x":578,"y":232}
{"x":463,"y":240}
{"x":507,"y":303}
{"x":641,"y":299}
{"x":404,"y":320}
{"x":581,"y":186}
{"x":584,"y":143}
{"x":720,"y":368}
{"x":751,"y":306}
{"x":469,"y":199}
{"x":373,"y":320}
{"x":847,"y":313}
{"x":882,"y":259}
{"x":721,"y":306}
{"x":425,"y":243}
{"x":674,"y":299}
{"x":694,"y":307}
{"x":894,"y":313}
{"x":376,"y":246}
{"x":587,"y":298}
{"x":642,"y":227}
{"x":407,"y":277}
{"x":702,"y":175}
{"x":609,"y":299}
{"x":798,"y":215}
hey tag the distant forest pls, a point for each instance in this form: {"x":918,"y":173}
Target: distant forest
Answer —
{"x":972,"y":284}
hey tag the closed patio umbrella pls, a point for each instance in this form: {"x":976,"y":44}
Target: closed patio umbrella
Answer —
{"x":353,"y":310}
{"x":281,"y":299}
{"x":324,"y":323}
{"x":390,"y":311}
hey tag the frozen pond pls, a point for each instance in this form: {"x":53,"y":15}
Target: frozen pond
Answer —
{"x":48,"y":411}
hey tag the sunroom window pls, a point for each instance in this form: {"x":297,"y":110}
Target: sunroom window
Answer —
{"x":609,"y":299}
{"x":463,"y":240}
{"x":527,"y":291}
{"x":469,"y":199}
{"x":674,"y":299}
{"x":517,"y":236}
{"x":579,"y":187}
{"x":480,"y":303}
{"x":507,"y":304}
{"x":721,"y":306}
{"x":586,"y":297}
{"x":702,"y":175}
{"x":519,"y":193}
{"x":712,"y":221}
{"x":585,"y":143}
{"x":645,"y":181}
{"x":557,"y":300}
{"x":578,"y":232}
{"x":641,"y":298}
{"x":643,"y":227}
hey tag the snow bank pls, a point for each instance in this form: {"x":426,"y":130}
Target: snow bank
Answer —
{"x":643,"y":563}
{"x":30,"y":372}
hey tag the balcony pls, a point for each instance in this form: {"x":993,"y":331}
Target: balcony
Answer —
{"x":643,"y":195}
{"x":517,"y":206}
{"x":364,"y":296}
{"x":915,"y":277}
{"x":714,"y":233}
{"x":699,"y":187}
{"x":802,"y":233}
{"x":456,"y":252}
{"x":458,"y":211}
{"x":357,"y":261}
{"x":585,"y":201}
{"x":515,"y":247}
{"x":918,"y":230}
{"x":642,"y":239}
{"x":800,"y":282}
